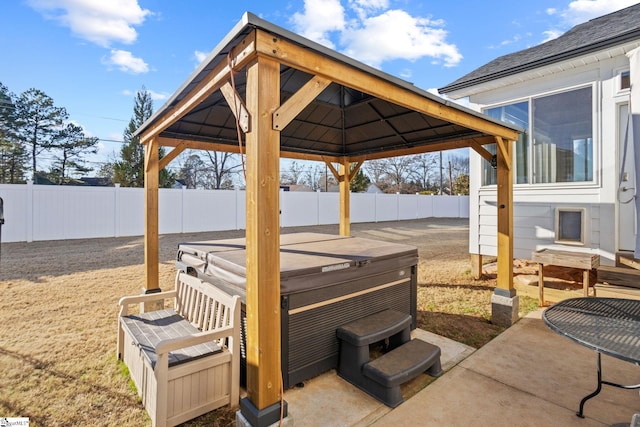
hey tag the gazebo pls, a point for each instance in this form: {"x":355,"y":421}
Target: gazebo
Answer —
{"x":266,"y":93}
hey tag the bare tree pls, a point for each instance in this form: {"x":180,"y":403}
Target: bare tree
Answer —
{"x":392,"y":175}
{"x":294,"y":175}
{"x":425,"y":168}
{"x":376,"y":169}
{"x":193,"y":171}
{"x":223,"y":166}
{"x":313,"y":176}
{"x":457,"y":167}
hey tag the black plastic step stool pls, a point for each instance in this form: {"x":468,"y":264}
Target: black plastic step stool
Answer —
{"x":383,"y":376}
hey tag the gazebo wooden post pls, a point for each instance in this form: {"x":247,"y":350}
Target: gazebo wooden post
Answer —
{"x":345,"y":198}
{"x":262,"y":405}
{"x":504,"y":301}
{"x":151,"y":250}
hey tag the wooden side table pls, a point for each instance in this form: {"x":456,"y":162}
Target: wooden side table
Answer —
{"x":582,"y":260}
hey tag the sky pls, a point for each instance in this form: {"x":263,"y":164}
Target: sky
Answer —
{"x":91,"y":56}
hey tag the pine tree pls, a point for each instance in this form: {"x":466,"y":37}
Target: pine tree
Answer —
{"x":13,"y":155}
{"x":38,"y":123}
{"x":72,"y":145}
{"x":129,"y":171}
{"x":360,"y":182}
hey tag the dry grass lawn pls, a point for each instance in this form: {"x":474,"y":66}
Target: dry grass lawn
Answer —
{"x":58,"y":315}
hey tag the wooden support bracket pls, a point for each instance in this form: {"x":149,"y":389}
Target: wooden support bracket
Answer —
{"x":294,"y":105}
{"x":335,"y":172}
{"x":355,"y":170}
{"x":504,"y":151}
{"x":151,"y":145}
{"x":241,"y":55}
{"x":237,"y":106}
{"x":163,"y":162}
{"x":480,"y":150}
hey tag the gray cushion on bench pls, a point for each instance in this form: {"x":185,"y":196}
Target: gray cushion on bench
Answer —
{"x":148,"y":329}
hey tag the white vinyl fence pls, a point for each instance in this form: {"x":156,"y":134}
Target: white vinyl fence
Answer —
{"x":48,"y":212}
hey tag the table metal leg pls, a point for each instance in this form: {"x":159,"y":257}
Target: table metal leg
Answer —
{"x":599,"y":388}
{"x":596,"y":391}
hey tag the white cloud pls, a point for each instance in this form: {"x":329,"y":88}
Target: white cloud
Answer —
{"x":155,"y":96}
{"x":199,"y":56}
{"x":406,"y":73}
{"x":371,"y":32}
{"x":395,"y":34}
{"x":515,"y":39}
{"x":551,"y":34}
{"x":364,"y":8}
{"x":99,"y":21}
{"x":126,"y":62}
{"x":580,"y":11}
{"x":158,"y":96}
{"x":319,"y":19}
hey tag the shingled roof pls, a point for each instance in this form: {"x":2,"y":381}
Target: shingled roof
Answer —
{"x":597,"y":34}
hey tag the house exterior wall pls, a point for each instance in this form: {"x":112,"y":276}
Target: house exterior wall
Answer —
{"x":535,"y":204}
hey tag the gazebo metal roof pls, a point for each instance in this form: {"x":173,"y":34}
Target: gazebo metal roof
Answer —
{"x":341,"y":121}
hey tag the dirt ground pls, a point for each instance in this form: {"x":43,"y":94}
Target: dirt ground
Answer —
{"x":58,"y":314}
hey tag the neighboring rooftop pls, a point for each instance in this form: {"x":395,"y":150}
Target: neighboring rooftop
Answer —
{"x":597,"y":34}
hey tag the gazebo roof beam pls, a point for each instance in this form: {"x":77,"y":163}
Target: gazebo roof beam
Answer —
{"x":239,"y":56}
{"x":309,"y":61}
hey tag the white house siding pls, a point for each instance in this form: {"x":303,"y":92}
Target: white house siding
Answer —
{"x":534,"y":205}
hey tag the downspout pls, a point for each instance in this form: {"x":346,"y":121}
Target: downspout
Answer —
{"x":634,"y":130}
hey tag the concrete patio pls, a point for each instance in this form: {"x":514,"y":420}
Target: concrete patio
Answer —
{"x":527,"y":376}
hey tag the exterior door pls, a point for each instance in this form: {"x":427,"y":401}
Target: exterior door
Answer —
{"x":627,"y":227}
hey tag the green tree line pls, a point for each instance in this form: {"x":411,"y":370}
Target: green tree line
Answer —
{"x":31,"y":124}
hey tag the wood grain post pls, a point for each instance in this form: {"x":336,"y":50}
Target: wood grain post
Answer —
{"x":476,"y":266}
{"x":504,"y":302}
{"x":541,"y":285}
{"x":345,"y":199}
{"x":263,"y":235}
{"x":151,"y":241}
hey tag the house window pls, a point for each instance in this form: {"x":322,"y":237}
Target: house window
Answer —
{"x":562,"y":137}
{"x":570,"y":226}
{"x":625,"y":80}
{"x":517,"y":114}
{"x":561,"y":126}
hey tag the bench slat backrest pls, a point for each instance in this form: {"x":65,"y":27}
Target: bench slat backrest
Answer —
{"x":202,"y":304}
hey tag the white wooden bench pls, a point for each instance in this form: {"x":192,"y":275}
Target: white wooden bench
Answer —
{"x":185,"y":360}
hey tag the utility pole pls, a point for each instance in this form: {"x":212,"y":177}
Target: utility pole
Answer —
{"x":450,"y":179}
{"x":441,"y":173}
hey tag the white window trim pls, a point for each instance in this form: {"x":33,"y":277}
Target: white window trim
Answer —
{"x":583,"y":228}
{"x":618,"y":82}
{"x":595,"y":107}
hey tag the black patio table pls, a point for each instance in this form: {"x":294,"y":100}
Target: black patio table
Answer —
{"x":610,"y":326}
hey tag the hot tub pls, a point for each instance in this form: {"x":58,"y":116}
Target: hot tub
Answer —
{"x":326,"y":281}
